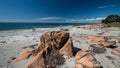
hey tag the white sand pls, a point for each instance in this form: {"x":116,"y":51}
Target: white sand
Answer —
{"x":17,"y":39}
{"x":78,"y":34}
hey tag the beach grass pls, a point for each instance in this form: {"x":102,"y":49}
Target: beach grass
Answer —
{"x":114,"y":24}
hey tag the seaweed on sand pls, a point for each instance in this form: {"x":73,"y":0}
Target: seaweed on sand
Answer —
{"x":97,"y":49}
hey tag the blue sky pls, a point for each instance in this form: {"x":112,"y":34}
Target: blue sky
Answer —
{"x":57,"y":10}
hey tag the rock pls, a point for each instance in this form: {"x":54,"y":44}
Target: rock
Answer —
{"x":87,"y":60}
{"x":50,"y":41}
{"x":114,"y":40}
{"x":116,"y":51}
{"x":80,"y":54}
{"x":64,"y":29}
{"x":94,"y":26}
{"x":85,"y":49}
{"x":22,"y":56}
{"x":67,"y":49}
{"x":106,"y":43}
{"x":53,"y":39}
{"x":79,"y":65}
{"x":38,"y":60}
{"x":95,"y":39}
{"x":101,"y":40}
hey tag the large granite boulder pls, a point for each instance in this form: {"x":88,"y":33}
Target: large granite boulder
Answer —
{"x":49,"y":41}
{"x":53,"y":39}
{"x":67,"y":49}
{"x":87,"y":60}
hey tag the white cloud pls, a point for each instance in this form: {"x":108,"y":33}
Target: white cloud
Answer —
{"x":48,"y":18}
{"x":106,"y":6}
{"x":100,"y":18}
{"x":60,"y":19}
{"x":89,"y":20}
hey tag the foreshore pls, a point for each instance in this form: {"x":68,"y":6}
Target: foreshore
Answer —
{"x":13,"y":42}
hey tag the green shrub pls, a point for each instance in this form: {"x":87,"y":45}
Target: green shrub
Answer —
{"x":111,"y":19}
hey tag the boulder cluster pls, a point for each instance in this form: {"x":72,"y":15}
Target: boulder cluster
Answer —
{"x":104,"y":42}
{"x":94,"y":26}
{"x":61,"y":42}
{"x":101,"y":40}
{"x":99,"y":26}
{"x":50,"y":41}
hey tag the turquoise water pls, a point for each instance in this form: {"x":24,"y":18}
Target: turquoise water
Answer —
{"x":22,"y":25}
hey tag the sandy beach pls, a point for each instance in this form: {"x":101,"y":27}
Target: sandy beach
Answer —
{"x":13,"y":42}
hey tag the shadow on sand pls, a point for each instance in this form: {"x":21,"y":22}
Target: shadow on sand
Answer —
{"x":75,"y":50}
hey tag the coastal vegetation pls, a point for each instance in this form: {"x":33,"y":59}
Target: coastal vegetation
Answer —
{"x":114,"y":24}
{"x":112,"y":20}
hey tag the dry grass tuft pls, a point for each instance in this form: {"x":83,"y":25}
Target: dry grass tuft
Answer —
{"x":54,"y":59}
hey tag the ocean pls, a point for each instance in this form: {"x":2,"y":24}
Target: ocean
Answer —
{"x":26,"y":25}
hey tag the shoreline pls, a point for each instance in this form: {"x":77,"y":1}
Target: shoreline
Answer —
{"x":18,"y":26}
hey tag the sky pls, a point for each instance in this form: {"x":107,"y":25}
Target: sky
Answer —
{"x":57,"y":10}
